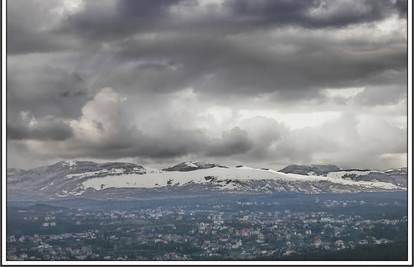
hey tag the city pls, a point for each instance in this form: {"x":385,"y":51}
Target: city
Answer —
{"x":240,"y":227}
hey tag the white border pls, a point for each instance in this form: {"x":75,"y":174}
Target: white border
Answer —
{"x":311,"y":263}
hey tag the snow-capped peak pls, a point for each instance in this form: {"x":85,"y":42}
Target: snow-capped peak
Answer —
{"x":89,"y":177}
{"x":70,"y":163}
{"x":239,"y":179}
{"x":192,"y":165}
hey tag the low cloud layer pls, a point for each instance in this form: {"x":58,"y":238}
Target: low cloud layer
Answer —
{"x":257,"y":82}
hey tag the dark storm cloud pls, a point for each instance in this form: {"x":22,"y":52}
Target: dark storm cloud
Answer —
{"x":109,"y":21}
{"x":233,"y":142}
{"x":126,"y":17}
{"x":144,"y":8}
{"x":172,"y":145}
{"x":47,"y":129}
{"x":230,"y":54}
{"x":103,"y":130}
{"x":100,"y":23}
{"x":228,"y":66}
{"x":23,"y":41}
{"x":29,"y":28}
{"x":402,"y":7}
{"x":314,"y":14}
{"x":45,"y":91}
{"x":152,"y":49}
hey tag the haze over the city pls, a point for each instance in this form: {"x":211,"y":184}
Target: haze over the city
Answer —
{"x":262,"y":83}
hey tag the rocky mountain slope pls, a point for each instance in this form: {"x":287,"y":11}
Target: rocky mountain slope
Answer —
{"x":394,"y":176}
{"x":71,"y":179}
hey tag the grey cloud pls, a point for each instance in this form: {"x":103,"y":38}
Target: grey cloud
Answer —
{"x":46,"y":91}
{"x":336,"y":13}
{"x":145,"y":8}
{"x":265,"y":134}
{"x":348,"y":141}
{"x":29,"y":27}
{"x":234,"y":142}
{"x":123,"y":18}
{"x":381,"y":95}
{"x":218,"y":60}
{"x":256,"y":140}
{"x":45,"y":129}
{"x":114,"y":19}
{"x":104,"y":131}
{"x":402,"y":7}
{"x":279,"y":55}
{"x":229,"y":67}
{"x":173,"y":144}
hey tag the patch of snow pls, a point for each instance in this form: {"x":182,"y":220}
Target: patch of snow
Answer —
{"x":152,"y":179}
{"x":43,"y":188}
{"x":77,"y":193}
{"x":86,"y":174}
{"x":117,"y":170}
{"x":70,"y":163}
{"x":190,"y":164}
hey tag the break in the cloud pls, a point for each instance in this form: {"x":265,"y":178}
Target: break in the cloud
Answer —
{"x":259,"y":82}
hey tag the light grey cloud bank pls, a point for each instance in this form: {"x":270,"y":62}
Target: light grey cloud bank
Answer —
{"x":259,"y":82}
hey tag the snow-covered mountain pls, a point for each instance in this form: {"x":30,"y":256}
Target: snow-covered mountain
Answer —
{"x":313,"y":169}
{"x":394,"y":176}
{"x":89,"y":179}
{"x":193,"y":165}
{"x":63,"y":178}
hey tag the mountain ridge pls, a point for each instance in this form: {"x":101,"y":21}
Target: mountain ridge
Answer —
{"x":73,"y":179}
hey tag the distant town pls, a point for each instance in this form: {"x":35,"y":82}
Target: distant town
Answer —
{"x":233,"y":228}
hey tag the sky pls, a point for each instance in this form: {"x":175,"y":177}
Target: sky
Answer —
{"x":263,"y":83}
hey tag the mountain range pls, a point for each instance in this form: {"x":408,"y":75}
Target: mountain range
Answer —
{"x":87,"y":179}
